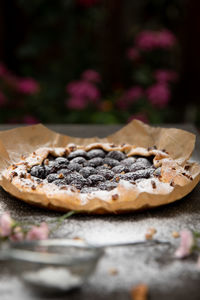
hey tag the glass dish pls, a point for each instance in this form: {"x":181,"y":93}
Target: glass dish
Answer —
{"x":56,"y":264}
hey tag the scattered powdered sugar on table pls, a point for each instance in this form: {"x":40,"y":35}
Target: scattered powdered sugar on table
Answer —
{"x":51,"y":277}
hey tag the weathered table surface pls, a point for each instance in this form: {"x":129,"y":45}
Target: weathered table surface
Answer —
{"x":166,"y":277}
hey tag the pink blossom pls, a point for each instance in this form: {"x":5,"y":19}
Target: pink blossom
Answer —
{"x":83,"y":89}
{"x":186,"y":244}
{"x":38,"y":232}
{"x":29,"y":119}
{"x":133,"y":53}
{"x":6,"y":223}
{"x":76,"y":103}
{"x":28,"y":86}
{"x":17,"y":235}
{"x":165,"y":76}
{"x":130,"y":97}
{"x":91,"y":75}
{"x":148,"y":40}
{"x":166,"y":39}
{"x":139,"y":116}
{"x":159,"y":95}
{"x":3,"y":99}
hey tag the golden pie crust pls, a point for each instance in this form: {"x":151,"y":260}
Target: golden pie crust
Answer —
{"x":174,"y":182}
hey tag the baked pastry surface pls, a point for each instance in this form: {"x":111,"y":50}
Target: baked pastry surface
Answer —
{"x":98,"y":178}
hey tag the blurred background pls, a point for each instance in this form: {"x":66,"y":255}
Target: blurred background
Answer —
{"x":99,"y":61}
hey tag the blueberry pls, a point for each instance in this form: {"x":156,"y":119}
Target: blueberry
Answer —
{"x":118,"y":155}
{"x":38,"y":171}
{"x":60,"y":182}
{"x":120,"y":168}
{"x":94,"y":162}
{"x":103,"y":167}
{"x":107,"y":185}
{"x":52,"y":177}
{"x":111,"y":162}
{"x":77,"y":153}
{"x":144,"y":161}
{"x":89,"y":189}
{"x":79,"y":160}
{"x":157,"y":172}
{"x":47,"y":169}
{"x":128,"y":161}
{"x":95,"y":153}
{"x":79,"y":183}
{"x":74,"y":167}
{"x":137,"y":166}
{"x":87,"y":171}
{"x":108,"y":174}
{"x":64,"y":171}
{"x":96,"y":178}
{"x":61,"y":160}
{"x":73,"y":176}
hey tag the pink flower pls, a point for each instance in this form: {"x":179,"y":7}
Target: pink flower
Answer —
{"x":6,"y":223}
{"x":166,"y":39}
{"x":3,"y":99}
{"x":91,"y":75}
{"x":186,"y":244}
{"x":29,"y":119}
{"x":83,"y":89}
{"x":159,"y":95}
{"x":28,"y":86}
{"x":38,"y":232}
{"x":139,"y":116}
{"x":17,"y":235}
{"x":148,"y":40}
{"x":76,"y":103}
{"x":133,"y":53}
{"x":163,"y":76}
{"x":130,"y":96}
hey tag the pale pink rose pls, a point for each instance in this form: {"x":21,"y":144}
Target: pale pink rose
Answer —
{"x":91,"y":75}
{"x":38,"y":232}
{"x":28,"y":86}
{"x":6,"y":223}
{"x":139,"y":116}
{"x":130,"y":97}
{"x":146,"y":40}
{"x":186,"y":244}
{"x":76,"y":103}
{"x":17,"y":235}
{"x":133,"y":53}
{"x":29,"y":119}
{"x":83,"y":89}
{"x":3,"y":99}
{"x":164,"y":76}
{"x":159,"y":95}
{"x":166,"y":39}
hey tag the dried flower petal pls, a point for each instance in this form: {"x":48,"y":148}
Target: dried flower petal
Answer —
{"x":6,"y":223}
{"x":38,"y":232}
{"x":186,"y":244}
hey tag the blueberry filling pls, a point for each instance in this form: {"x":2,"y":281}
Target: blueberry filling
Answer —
{"x":94,"y":170}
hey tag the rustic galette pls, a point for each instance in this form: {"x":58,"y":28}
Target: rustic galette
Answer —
{"x":99,"y":177}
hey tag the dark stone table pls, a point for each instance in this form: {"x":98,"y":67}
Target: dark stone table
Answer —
{"x":155,"y":266}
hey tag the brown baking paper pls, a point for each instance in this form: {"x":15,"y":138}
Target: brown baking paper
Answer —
{"x":25,"y":140}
